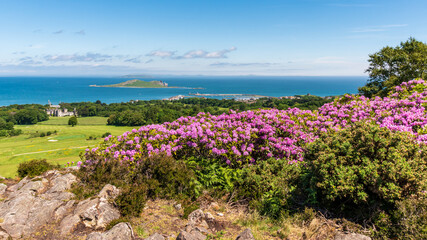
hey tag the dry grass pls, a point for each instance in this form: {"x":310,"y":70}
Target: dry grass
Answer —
{"x":161,"y":217}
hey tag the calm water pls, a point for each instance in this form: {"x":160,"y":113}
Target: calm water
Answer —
{"x":22,"y":90}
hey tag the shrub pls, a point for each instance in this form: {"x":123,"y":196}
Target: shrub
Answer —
{"x":72,"y":121}
{"x":35,"y":167}
{"x":42,"y":134}
{"x":106,"y":134}
{"x":91,"y":137}
{"x":269,"y":186}
{"x":158,"y":176}
{"x":211,"y":175}
{"x":15,"y":132}
{"x":132,"y":200}
{"x":364,"y":168}
{"x":411,"y":218}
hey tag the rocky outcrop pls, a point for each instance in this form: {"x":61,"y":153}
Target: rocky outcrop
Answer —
{"x":121,"y":231}
{"x":200,"y":224}
{"x":246,"y":235}
{"x":2,"y":189}
{"x":33,"y":203}
{"x":155,"y":236}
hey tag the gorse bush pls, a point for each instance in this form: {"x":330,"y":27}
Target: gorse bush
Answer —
{"x":365,"y":167}
{"x":35,"y":167}
{"x":157,"y":176}
{"x":268,"y":186}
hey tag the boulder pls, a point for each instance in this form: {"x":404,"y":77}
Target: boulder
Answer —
{"x":109,"y":192}
{"x":246,"y":235}
{"x":93,"y":213}
{"x":3,"y":188}
{"x":17,"y":186}
{"x":196,"y":217}
{"x":155,"y":236}
{"x":64,"y":210}
{"x":350,"y":236}
{"x":59,"y":186}
{"x":3,"y":235}
{"x":33,"y":203}
{"x":121,"y":231}
{"x":68,"y":224}
{"x":177,"y":206}
{"x":193,"y":235}
{"x":106,"y":214}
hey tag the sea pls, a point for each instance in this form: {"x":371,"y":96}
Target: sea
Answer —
{"x":26,"y":90}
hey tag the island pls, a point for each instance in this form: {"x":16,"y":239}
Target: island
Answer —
{"x":136,"y":83}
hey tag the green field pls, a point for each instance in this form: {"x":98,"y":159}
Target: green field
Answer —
{"x":62,"y":147}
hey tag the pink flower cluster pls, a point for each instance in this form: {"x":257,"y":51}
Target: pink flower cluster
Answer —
{"x":402,"y":111}
{"x":239,"y":138}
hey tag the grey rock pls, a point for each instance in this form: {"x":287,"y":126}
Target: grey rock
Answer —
{"x":177,"y":206}
{"x":121,"y":231}
{"x":193,"y":235}
{"x":109,"y":192}
{"x":106,"y":214}
{"x":3,"y":188}
{"x":88,"y":212}
{"x":40,"y":214}
{"x":350,"y":236}
{"x":73,"y":168}
{"x":197,"y":216}
{"x":68,"y":224}
{"x":155,"y":236}
{"x":33,"y":186}
{"x":32,"y":203}
{"x":3,"y":235}
{"x":209,"y":217}
{"x":202,"y":230}
{"x":15,"y":213}
{"x":63,"y":210}
{"x":246,"y":235}
{"x":59,"y":186}
{"x":19,"y":184}
{"x":96,"y":213}
{"x":94,"y":236}
{"x":62,"y":183}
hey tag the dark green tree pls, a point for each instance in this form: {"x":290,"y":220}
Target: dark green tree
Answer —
{"x":391,"y":66}
{"x":72,"y":121}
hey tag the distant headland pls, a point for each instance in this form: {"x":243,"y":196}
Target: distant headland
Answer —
{"x":136,"y":83}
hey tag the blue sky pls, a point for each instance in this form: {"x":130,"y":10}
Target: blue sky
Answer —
{"x":186,"y":37}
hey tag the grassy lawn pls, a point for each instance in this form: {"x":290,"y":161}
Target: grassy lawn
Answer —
{"x":63,"y":147}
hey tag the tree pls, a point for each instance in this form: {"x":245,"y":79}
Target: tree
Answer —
{"x":391,"y":66}
{"x":30,"y":116}
{"x":72,"y":121}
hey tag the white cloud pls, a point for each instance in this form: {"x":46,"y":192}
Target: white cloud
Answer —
{"x":252,"y":64}
{"x":192,"y":54}
{"x":162,"y":54}
{"x":88,"y":57}
{"x":205,"y":54}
